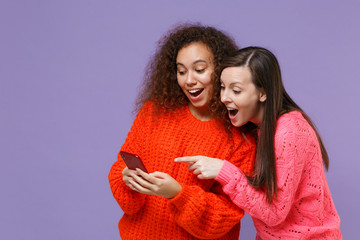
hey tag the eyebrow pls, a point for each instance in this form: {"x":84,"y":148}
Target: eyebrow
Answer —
{"x":197,"y":61}
{"x":234,"y":83}
{"x":231,"y":84}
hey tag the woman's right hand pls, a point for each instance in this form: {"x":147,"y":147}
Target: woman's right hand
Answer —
{"x":203,"y":167}
{"x":127,"y":178}
{"x":156,"y":183}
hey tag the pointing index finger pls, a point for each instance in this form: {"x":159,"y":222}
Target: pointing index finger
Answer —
{"x":189,"y":160}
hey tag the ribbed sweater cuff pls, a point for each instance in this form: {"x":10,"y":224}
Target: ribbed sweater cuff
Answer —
{"x":226,"y":172}
{"x":182,"y":198}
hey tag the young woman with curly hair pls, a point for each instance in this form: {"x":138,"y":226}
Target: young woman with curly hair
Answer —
{"x":178,"y":115}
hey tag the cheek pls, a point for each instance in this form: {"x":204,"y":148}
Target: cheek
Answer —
{"x":241,"y":101}
{"x":206,"y":79}
{"x":246,"y":103}
{"x":180,"y":81}
{"x":254,"y":107}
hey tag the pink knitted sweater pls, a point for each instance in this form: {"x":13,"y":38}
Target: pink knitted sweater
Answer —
{"x":303,"y":208}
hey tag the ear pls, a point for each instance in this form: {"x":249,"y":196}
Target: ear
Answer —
{"x":262,"y":95}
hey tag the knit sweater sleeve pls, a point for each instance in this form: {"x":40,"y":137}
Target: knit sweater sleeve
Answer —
{"x":209,"y":215}
{"x":291,"y":150}
{"x":130,"y":201}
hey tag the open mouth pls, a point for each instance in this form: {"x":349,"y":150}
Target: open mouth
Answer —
{"x":233,"y":112}
{"x":195,"y":93}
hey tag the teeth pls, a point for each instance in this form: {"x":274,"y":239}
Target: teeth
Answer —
{"x":193,"y":91}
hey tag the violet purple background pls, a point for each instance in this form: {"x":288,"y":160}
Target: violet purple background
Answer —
{"x":69,"y":75}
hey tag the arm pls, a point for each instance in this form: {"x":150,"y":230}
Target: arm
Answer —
{"x":211,"y":214}
{"x":156,"y":183}
{"x":129,"y":200}
{"x":291,"y":152}
{"x":205,"y":215}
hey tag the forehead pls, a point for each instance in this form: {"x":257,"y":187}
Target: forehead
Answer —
{"x":240,"y":75}
{"x":195,"y":51}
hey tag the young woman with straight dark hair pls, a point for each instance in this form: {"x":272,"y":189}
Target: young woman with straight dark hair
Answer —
{"x":287,"y":195}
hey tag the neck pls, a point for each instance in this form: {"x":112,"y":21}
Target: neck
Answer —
{"x":202,"y":114}
{"x":258,"y":118}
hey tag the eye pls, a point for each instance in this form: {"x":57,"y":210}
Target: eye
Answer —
{"x":236,"y":91}
{"x":200,"y":70}
{"x":181,"y":72}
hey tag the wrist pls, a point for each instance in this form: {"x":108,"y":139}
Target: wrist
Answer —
{"x":176,"y":191}
{"x":227,"y":170}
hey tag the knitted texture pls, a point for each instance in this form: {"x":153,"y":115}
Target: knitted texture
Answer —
{"x":303,"y":208}
{"x":201,"y":209}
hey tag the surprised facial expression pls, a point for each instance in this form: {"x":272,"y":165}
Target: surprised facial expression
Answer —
{"x":241,"y":97}
{"x":194,"y":74}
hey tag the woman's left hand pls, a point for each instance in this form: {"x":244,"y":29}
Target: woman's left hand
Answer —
{"x":156,"y":183}
{"x":204,"y":167}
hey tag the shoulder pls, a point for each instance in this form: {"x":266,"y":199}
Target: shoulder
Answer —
{"x":245,"y":141}
{"x":154,"y":113}
{"x":292,"y":121}
{"x":242,"y":151}
{"x":147,"y":107}
{"x":146,"y":113}
{"x":242,"y":136}
{"x":293,"y":127}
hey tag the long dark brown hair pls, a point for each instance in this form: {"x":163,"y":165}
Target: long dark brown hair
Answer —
{"x":160,"y":83}
{"x":266,"y":75}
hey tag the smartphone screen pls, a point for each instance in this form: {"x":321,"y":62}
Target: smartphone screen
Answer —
{"x":133,"y":161}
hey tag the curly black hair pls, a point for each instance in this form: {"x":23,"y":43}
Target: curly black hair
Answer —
{"x":160,"y":83}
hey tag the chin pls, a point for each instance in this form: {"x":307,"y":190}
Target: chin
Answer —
{"x":200,"y":104}
{"x":237,"y":123}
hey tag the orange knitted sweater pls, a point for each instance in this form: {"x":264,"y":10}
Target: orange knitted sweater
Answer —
{"x":201,"y":210}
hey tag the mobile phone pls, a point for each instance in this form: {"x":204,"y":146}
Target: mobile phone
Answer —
{"x":133,"y":161}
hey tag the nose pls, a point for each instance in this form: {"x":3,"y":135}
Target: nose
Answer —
{"x":190,"y":79}
{"x":224,"y":97}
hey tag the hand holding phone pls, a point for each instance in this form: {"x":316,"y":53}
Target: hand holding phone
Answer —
{"x":133,"y":161}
